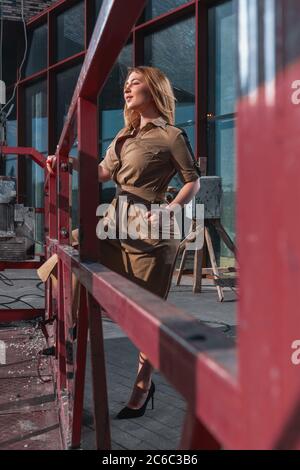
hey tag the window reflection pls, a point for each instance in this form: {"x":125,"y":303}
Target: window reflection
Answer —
{"x":36,"y":136}
{"x":65,"y":86}
{"x":157,"y":7}
{"x":10,"y":164}
{"x":36,"y":116}
{"x":37,"y":50}
{"x":70,"y":32}
{"x":111,"y":105}
{"x":111,"y":99}
{"x":222,"y":95}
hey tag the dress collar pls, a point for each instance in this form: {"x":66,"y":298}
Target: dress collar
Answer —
{"x":158,"y":122}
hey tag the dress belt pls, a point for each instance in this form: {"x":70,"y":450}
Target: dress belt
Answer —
{"x":135,"y":198}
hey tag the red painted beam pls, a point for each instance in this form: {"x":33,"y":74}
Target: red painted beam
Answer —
{"x":268,"y":233}
{"x":9,"y":315}
{"x":37,"y":157}
{"x":20,"y":265}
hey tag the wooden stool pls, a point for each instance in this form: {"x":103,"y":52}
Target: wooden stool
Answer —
{"x":210,"y":196}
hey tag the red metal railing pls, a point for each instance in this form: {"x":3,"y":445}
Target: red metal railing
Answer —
{"x":234,"y":401}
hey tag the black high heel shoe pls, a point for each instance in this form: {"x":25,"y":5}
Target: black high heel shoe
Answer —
{"x":127,"y":413}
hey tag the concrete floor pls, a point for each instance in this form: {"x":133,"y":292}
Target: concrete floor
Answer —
{"x":157,"y":429}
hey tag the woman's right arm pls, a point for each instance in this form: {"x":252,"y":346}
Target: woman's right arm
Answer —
{"x":103,"y":173}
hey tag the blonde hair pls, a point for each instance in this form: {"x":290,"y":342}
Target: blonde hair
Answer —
{"x":162,"y":94}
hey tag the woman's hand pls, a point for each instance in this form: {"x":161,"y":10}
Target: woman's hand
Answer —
{"x":51,"y":164}
{"x":157,"y":216}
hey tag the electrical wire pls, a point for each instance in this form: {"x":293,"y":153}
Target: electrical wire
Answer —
{"x":24,"y":57}
{"x":10,"y":283}
{"x":18,"y":299}
{"x":6,"y":280}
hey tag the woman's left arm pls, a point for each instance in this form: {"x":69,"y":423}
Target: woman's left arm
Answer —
{"x":185,"y":195}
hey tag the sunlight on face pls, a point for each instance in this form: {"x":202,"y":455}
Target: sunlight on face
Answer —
{"x":136,"y":92}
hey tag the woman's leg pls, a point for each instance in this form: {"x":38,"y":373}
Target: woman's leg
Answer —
{"x":142,"y":382}
{"x":157,"y":280}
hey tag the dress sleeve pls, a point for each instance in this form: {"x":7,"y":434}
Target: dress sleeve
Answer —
{"x":183,"y":161}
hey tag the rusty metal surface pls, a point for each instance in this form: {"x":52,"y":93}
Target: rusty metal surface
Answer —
{"x":28,"y":414}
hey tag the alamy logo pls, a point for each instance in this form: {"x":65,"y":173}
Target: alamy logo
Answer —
{"x":2,"y":352}
{"x":137,"y":221}
{"x":295,"y":358}
{"x":295,"y":98}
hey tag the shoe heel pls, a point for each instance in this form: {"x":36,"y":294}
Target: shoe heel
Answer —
{"x":152,"y":402}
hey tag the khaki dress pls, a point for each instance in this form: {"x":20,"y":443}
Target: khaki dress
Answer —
{"x":142,"y":163}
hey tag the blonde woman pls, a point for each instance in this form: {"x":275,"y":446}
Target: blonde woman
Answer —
{"x":142,"y":159}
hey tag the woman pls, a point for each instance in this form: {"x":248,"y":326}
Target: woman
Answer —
{"x":142,"y":159}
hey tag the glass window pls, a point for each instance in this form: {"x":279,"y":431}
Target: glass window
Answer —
{"x":37,"y":50}
{"x":11,"y":125}
{"x":157,"y":7}
{"x":36,"y":116}
{"x":222,"y":58}
{"x":36,"y":133}
{"x":65,"y":85}
{"x":70,"y":32}
{"x":172,"y":50}
{"x":222,"y":96}
{"x":111,"y":104}
{"x":10,"y":167}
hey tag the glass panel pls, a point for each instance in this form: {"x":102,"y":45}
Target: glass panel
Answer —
{"x":157,"y":7}
{"x":65,"y":85}
{"x":222,"y":104}
{"x":36,"y":136}
{"x":74,"y":215}
{"x":226,"y":168}
{"x":70,"y":32}
{"x":39,"y":233}
{"x":10,"y":165}
{"x":10,"y":168}
{"x":223,"y":58}
{"x":173,"y":51}
{"x":37,"y":50}
{"x":111,"y":103}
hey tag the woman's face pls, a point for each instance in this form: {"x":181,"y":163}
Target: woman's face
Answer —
{"x":136,"y":92}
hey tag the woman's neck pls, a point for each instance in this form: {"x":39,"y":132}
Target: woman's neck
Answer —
{"x":148,"y":116}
